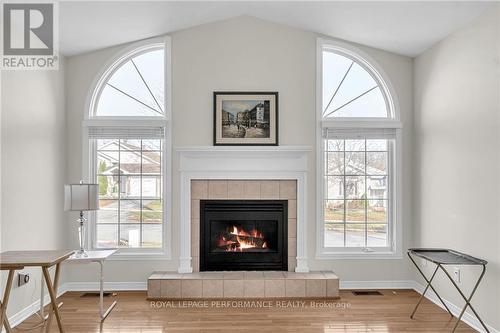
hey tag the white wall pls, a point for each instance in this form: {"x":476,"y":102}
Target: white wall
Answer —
{"x":33,"y":169}
{"x":457,"y":154}
{"x":241,"y":54}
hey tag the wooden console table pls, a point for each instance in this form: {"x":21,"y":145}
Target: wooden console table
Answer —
{"x":17,"y":260}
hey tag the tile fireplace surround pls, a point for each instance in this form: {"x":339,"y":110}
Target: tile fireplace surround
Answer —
{"x":243,"y":173}
{"x":244,"y":190}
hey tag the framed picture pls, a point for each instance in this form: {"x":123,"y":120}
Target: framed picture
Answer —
{"x":245,"y":118}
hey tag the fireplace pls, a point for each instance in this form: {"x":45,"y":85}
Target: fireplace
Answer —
{"x":243,"y":235}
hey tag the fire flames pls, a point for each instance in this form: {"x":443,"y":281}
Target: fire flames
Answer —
{"x":239,"y":240}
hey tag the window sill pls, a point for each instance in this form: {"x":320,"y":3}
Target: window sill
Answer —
{"x":326,"y":255}
{"x":140,"y":255}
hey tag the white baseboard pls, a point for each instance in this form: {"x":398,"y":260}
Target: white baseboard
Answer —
{"x":25,"y":313}
{"x":109,"y":286}
{"x":468,"y":318}
{"x":400,"y":284}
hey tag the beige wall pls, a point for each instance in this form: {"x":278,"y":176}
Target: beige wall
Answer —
{"x":33,"y":169}
{"x":241,"y":54}
{"x":457,"y":154}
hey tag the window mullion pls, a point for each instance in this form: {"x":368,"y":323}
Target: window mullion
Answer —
{"x":119,"y":191}
{"x":366,"y":196}
{"x":344,"y":195}
{"x":140,"y":199}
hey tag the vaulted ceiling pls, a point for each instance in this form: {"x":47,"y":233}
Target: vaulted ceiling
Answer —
{"x":406,"y":28}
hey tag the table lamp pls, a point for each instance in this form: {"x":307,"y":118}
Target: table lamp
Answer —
{"x":81,"y":197}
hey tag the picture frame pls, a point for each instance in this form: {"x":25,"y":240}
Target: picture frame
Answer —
{"x":245,"y":118}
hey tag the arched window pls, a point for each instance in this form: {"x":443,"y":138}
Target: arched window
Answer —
{"x":358,"y":139}
{"x":133,"y":86}
{"x":350,"y":89}
{"x":128,"y":144}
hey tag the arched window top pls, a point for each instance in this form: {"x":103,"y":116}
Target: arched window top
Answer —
{"x":134,"y":86}
{"x":352,"y":88}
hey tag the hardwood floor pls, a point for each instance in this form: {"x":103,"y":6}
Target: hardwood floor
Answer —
{"x":133,"y":313}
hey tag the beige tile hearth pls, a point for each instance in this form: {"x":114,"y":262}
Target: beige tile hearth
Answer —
{"x":248,"y":284}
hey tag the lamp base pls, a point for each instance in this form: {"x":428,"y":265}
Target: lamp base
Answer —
{"x":81,"y":254}
{"x":81,"y":237}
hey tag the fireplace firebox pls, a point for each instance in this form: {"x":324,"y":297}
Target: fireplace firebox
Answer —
{"x":243,"y":235}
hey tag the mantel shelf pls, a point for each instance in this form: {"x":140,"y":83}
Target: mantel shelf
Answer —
{"x":244,"y":148}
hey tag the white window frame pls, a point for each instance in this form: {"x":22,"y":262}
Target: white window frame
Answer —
{"x":89,"y":149}
{"x":353,"y":126}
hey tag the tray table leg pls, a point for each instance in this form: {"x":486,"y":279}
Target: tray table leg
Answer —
{"x":427,"y":287}
{"x":467,"y":299}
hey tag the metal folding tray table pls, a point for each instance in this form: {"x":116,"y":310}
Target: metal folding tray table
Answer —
{"x":442,"y":257}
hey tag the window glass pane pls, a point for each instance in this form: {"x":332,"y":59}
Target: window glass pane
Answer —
{"x":355,"y":187}
{"x":151,"y":187}
{"x":370,"y":105}
{"x":114,"y":103}
{"x":152,"y":211}
{"x":357,"y":82}
{"x":335,"y":188}
{"x":377,"y":187}
{"x":107,"y":235}
{"x":334,"y":211}
{"x":130,"y":211}
{"x":355,"y":163}
{"x":135,"y":88}
{"x":355,"y":235}
{"x":107,"y":162}
{"x":376,"y":163}
{"x":151,"y":235}
{"x":108,"y":187}
{"x":130,"y":145}
{"x":377,"y":235}
{"x":334,"y":69}
{"x":130,"y":235}
{"x":108,"y":211}
{"x":151,"y":145}
{"x":354,"y":145}
{"x":349,"y":90}
{"x":130,"y":162}
{"x":376,"y":145}
{"x":355,"y":211}
{"x":151,"y":67}
{"x":334,"y":145}
{"x":127,"y":79}
{"x":151,"y":162}
{"x":334,"y":235}
{"x":377,"y":211}
{"x":130,"y":187}
{"x":335,"y":163}
{"x":108,"y":144}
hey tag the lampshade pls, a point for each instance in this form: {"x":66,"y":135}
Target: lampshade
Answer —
{"x":79,"y":197}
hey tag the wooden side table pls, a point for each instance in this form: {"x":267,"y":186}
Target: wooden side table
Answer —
{"x":17,"y":260}
{"x":98,"y":257}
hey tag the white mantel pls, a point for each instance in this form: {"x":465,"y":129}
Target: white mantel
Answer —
{"x":242,"y":162}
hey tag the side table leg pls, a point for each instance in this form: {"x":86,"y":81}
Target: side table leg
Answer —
{"x":101,"y":294}
{"x":3,"y":305}
{"x":53,"y":295}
